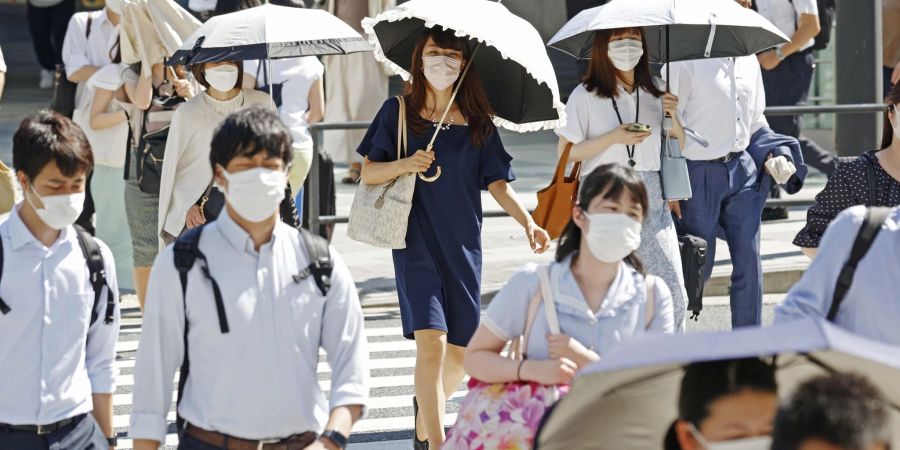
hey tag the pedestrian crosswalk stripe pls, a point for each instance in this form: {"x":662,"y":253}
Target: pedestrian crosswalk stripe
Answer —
{"x":390,"y":403}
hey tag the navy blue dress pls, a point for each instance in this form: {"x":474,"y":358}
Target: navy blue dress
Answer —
{"x":439,"y":272}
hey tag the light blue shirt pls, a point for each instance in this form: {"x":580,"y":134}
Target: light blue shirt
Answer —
{"x":259,"y":380}
{"x":51,"y":361}
{"x":622,"y":315}
{"x":872,"y":305}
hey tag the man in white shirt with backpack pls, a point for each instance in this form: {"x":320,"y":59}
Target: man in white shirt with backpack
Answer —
{"x":243,"y":305}
{"x":59,"y":318}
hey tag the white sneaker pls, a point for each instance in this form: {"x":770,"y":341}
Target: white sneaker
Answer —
{"x":47,"y":78}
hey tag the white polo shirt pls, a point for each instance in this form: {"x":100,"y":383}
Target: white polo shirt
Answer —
{"x":785,"y":14}
{"x":79,"y":51}
{"x":589,"y":116}
{"x":722,"y":99}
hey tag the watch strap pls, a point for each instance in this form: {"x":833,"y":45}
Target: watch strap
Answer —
{"x":113,"y":441}
{"x":336,"y":437}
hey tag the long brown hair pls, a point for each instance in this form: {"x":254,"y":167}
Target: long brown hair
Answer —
{"x":471,"y":99}
{"x":608,"y":181}
{"x":602,"y":76}
{"x":892,"y":100}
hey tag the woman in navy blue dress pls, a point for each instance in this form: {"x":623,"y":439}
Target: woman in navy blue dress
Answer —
{"x":439,"y":272}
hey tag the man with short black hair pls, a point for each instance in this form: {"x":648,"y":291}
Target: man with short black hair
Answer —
{"x":247,"y":325}
{"x":58,"y":316}
{"x":834,"y":412}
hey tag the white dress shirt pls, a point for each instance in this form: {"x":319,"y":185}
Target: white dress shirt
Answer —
{"x":51,"y":360}
{"x":259,"y":380}
{"x":784,"y":14}
{"x":79,"y":51}
{"x":589,"y":116}
{"x":713,"y":93}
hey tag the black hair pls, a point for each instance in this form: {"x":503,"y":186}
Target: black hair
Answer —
{"x":249,"y":132}
{"x":230,"y":6}
{"x":610,"y":181}
{"x":892,"y":100}
{"x":47,"y":136}
{"x":844,"y":410}
{"x":706,"y":382}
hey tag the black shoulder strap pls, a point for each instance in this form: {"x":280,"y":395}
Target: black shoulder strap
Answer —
{"x":187,"y":252}
{"x":320,"y":264}
{"x":870,"y":182}
{"x":4,"y":308}
{"x":871,"y":226}
{"x":94,"y":260}
{"x":87,"y":31}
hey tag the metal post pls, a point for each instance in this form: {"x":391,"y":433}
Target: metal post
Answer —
{"x":313,"y":185}
{"x":858,"y":70}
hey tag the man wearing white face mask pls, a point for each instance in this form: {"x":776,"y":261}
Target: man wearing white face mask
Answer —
{"x":264,"y":300}
{"x":58,"y":315}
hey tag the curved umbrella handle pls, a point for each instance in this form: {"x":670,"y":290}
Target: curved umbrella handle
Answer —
{"x":433,"y":178}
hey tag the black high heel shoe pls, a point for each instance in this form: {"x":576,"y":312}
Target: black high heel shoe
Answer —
{"x":417,"y":444}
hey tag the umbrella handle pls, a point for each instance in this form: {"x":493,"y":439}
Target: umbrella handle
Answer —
{"x":433,"y":178}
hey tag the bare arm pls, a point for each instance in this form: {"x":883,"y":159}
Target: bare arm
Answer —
{"x":484,"y":362}
{"x":83,"y":74}
{"x":509,"y":201}
{"x":316,"y":111}
{"x":590,"y":148}
{"x":141,"y":94}
{"x":807,"y":28}
{"x":810,"y":252}
{"x":341,"y":420}
{"x":101,"y":119}
{"x":103,"y":412}
{"x":382,"y":172}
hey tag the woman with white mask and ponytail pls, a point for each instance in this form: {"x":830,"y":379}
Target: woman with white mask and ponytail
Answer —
{"x":439,"y":272}
{"x":186,"y":184}
{"x":616,"y":93}
{"x":600,"y":291}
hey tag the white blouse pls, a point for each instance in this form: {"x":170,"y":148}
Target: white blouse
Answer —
{"x":186,"y":171}
{"x":589,"y":116}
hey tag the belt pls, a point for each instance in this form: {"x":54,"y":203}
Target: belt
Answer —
{"x":225,"y":442}
{"x":45,"y":429}
{"x":727,"y":158}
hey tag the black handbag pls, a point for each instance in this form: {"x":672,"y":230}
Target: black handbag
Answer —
{"x":693,"y":260}
{"x":152,"y":146}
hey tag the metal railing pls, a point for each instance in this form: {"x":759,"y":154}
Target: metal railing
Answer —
{"x":318,"y":130}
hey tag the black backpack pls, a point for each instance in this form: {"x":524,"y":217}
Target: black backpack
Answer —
{"x":827,"y":11}
{"x":94,"y":260}
{"x":871,"y":226}
{"x":187,"y":252}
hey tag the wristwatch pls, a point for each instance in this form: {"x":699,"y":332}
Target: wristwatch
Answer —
{"x":113,"y":441}
{"x":336,"y":437}
{"x":779,"y":54}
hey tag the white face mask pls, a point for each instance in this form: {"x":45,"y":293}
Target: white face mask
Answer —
{"x":441,"y":71}
{"x":115,"y":6}
{"x":255,"y":194}
{"x":625,"y":54}
{"x":59,"y":211}
{"x":612,"y":237}
{"x":222,"y":78}
{"x":753,"y":443}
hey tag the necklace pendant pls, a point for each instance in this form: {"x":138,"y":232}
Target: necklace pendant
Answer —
{"x":631,"y":163}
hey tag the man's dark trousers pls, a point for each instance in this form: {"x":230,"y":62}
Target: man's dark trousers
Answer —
{"x":727,"y":198}
{"x":788,"y":85}
{"x":84,"y":435}
{"x":48,"y":30}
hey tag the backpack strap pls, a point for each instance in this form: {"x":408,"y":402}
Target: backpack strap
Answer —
{"x":870,"y":183}
{"x":187,"y":252}
{"x":320,"y":264}
{"x":871,"y":226}
{"x":4,"y":308}
{"x":94,"y":260}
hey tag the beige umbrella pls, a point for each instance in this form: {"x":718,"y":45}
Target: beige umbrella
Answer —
{"x":153,"y":30}
{"x":628,"y":400}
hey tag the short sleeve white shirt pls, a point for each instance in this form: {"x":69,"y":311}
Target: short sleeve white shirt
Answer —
{"x":296,"y":76}
{"x":589,"y":116}
{"x":785,"y":14}
{"x":80,"y":49}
